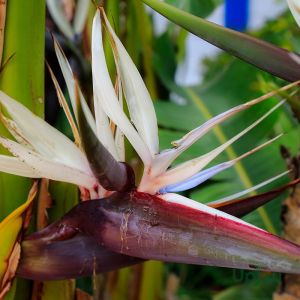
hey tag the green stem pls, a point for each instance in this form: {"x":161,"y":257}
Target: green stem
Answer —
{"x":23,"y":79}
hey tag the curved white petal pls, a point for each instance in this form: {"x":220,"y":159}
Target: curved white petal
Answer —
{"x":105,"y":93}
{"x":45,"y":139}
{"x":191,"y":167}
{"x":13,"y":165}
{"x":48,"y":168}
{"x":119,"y":136}
{"x":137,"y":96}
{"x":204,"y":175}
{"x":164,"y":159}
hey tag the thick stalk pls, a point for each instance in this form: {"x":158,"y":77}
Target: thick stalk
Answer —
{"x":23,"y":79}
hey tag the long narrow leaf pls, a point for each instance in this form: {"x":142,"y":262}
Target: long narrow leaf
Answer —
{"x":265,"y":56}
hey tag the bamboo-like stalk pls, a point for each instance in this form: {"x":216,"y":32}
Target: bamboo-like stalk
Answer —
{"x":2,"y":26}
{"x":22,"y":78}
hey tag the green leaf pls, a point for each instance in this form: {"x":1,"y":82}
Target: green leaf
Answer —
{"x":256,"y":286}
{"x":264,"y":55}
{"x":22,"y":78}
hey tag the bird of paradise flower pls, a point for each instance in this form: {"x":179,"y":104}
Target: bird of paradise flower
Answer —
{"x":132,"y":222}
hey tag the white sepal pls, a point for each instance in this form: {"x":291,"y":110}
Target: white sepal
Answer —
{"x":191,"y":167}
{"x":165,"y":158}
{"x":139,"y":102}
{"x":104,"y":92}
{"x":44,"y":138}
{"x":15,"y":166}
{"x":49,"y":168}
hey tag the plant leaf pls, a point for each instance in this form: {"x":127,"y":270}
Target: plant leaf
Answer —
{"x":265,"y":56}
{"x":10,"y":229}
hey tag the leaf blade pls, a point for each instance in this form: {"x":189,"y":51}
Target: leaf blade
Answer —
{"x":265,"y":56}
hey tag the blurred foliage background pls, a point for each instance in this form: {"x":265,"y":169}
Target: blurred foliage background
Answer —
{"x":227,"y":82}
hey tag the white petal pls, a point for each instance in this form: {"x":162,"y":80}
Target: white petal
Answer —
{"x":71,"y":85}
{"x":295,"y":9}
{"x":45,"y":139}
{"x":189,"y":168}
{"x":82,"y":9}
{"x":56,"y":11}
{"x":247,"y":191}
{"x":137,"y":96}
{"x":164,"y":159}
{"x":204,"y":175}
{"x":15,"y":131}
{"x":103,"y":130}
{"x":13,"y":165}
{"x":176,"y":198}
{"x":105,"y":93}
{"x":119,"y":136}
{"x":48,"y":168}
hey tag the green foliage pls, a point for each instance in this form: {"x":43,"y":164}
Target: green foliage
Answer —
{"x":22,"y":78}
